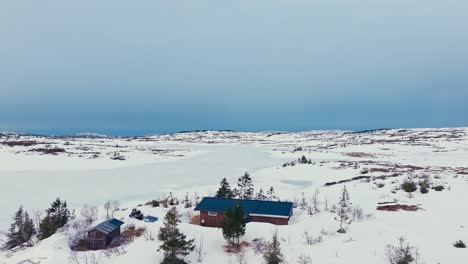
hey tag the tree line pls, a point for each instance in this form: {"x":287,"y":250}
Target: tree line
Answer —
{"x":244,"y":190}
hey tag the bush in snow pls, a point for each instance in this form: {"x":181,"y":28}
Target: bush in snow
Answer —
{"x":153,"y":203}
{"x":409,"y":185}
{"x":273,"y":253}
{"x":424,"y":184}
{"x":357,"y":214}
{"x":403,"y":253}
{"x":380,"y":184}
{"x":459,"y":244}
{"x":259,"y":245}
{"x":90,"y":214}
{"x":303,"y":259}
{"x":77,"y":232}
{"x":21,"y":230}
{"x":438,"y":188}
{"x":304,"y":160}
{"x":311,"y":240}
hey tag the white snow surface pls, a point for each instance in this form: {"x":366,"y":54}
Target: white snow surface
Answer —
{"x":83,"y":172}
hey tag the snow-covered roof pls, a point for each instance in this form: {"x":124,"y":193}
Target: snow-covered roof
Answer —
{"x":108,"y":226}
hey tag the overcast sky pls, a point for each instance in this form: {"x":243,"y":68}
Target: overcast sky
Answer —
{"x":155,"y":66}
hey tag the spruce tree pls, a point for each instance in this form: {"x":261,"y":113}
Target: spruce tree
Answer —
{"x":245,"y":187}
{"x":343,"y":209}
{"x":175,"y":243}
{"x":224,"y":190}
{"x":21,"y":230}
{"x":271,"y":194}
{"x":260,"y":196}
{"x":57,"y":216}
{"x":234,"y":225}
{"x":273,"y":253}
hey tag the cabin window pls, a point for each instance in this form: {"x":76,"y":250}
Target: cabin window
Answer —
{"x":210,"y":213}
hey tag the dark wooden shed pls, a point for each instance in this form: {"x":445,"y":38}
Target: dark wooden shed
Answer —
{"x":212,"y":211}
{"x":104,"y":234}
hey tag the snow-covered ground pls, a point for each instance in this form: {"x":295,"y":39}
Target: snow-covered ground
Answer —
{"x":84,"y":170}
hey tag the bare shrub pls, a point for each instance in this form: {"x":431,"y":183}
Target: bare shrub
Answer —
{"x":149,"y":235}
{"x":259,"y":245}
{"x":357,"y":214}
{"x":304,"y":259}
{"x":92,"y":258}
{"x":77,"y":231}
{"x":114,"y":207}
{"x":89,"y":213}
{"x":241,"y":258}
{"x":107,"y":206}
{"x":311,"y":240}
{"x":199,"y":251}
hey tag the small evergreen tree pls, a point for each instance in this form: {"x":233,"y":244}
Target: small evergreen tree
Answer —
{"x":343,"y":209}
{"x":271,"y":194}
{"x":303,"y":160}
{"x":21,"y":230}
{"x":403,"y":253}
{"x":273,"y":253}
{"x":57,"y":216}
{"x":260,"y":195}
{"x":224,"y":190}
{"x":234,"y":225}
{"x":245,"y":187}
{"x":174,"y":242}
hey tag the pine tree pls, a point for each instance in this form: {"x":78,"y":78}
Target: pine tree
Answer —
{"x":271,"y":194}
{"x":273,"y":253}
{"x":57,"y":216}
{"x":175,"y":243}
{"x":245,"y":187}
{"x":303,"y":160}
{"x":224,"y":190}
{"x":343,"y":209}
{"x":234,"y":225}
{"x":260,"y":196}
{"x":21,"y":230}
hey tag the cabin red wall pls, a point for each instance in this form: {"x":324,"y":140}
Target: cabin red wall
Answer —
{"x":217,"y":221}
{"x":213,"y":221}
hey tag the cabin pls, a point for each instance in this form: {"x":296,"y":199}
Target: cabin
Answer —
{"x":104,"y":234}
{"x":212,"y":211}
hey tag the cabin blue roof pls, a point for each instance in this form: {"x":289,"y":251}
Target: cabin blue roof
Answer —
{"x":109,"y":225}
{"x":272,"y":208}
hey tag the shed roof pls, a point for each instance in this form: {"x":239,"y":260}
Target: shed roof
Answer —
{"x":108,"y":226}
{"x":271,"y":208}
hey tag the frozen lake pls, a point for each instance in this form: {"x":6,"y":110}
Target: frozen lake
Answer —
{"x":36,"y":189}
